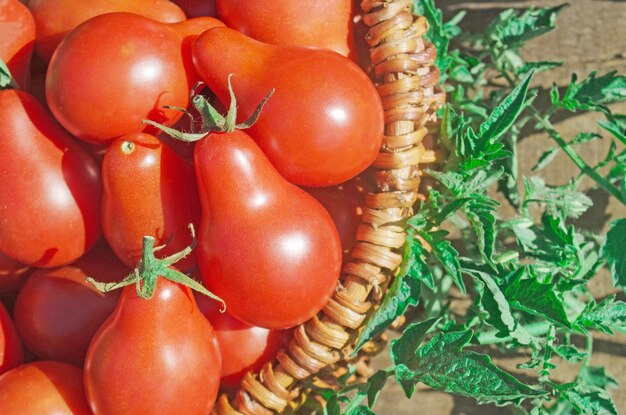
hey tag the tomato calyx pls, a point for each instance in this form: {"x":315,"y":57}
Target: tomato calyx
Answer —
{"x":211,"y":119}
{"x":150,"y":268}
{"x":6,"y":79}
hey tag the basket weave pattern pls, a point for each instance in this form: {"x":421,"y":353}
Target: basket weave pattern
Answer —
{"x":403,"y":65}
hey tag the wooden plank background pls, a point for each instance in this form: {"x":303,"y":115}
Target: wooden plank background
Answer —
{"x":591,"y":36}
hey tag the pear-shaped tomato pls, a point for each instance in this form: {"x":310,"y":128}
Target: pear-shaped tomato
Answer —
{"x":148,"y":190}
{"x":322,"y":23}
{"x":155,"y":356}
{"x":57,"y":312}
{"x":56,"y":18}
{"x":51,"y":189}
{"x":17,"y":39}
{"x":265,"y":246}
{"x":44,"y":387}
{"x":117,"y":69}
{"x":324,"y":123}
{"x":243,"y":347}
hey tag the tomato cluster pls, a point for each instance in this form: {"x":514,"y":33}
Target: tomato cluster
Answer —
{"x":95,"y":196}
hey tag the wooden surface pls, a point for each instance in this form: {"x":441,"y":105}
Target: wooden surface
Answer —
{"x":591,"y":36}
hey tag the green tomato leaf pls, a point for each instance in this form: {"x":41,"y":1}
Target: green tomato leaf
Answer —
{"x":442,"y":364}
{"x":570,"y":353}
{"x":6,"y":79}
{"x":614,"y":251}
{"x":360,"y":410}
{"x":404,"y":348}
{"x":591,"y":400}
{"x":496,"y":304}
{"x":505,"y":114}
{"x":597,"y":376}
{"x":447,"y":256}
{"x":524,"y":292}
{"x":481,"y":213}
{"x":540,"y":66}
{"x":604,"y":316}
{"x":512,"y":30}
{"x":616,"y":125}
{"x":592,"y":93}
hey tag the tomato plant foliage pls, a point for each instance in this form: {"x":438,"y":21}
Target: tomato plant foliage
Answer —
{"x":513,"y":247}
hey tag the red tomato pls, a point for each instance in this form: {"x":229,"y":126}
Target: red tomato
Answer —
{"x":43,"y":388}
{"x":12,"y":274}
{"x":17,"y":39}
{"x":322,"y":23}
{"x":344,"y":208}
{"x":51,"y":189}
{"x":58,"y":312}
{"x":265,"y":246}
{"x":197,"y":8}
{"x":11,"y":352}
{"x":117,"y":69}
{"x":243,"y":347}
{"x":56,"y":18}
{"x":148,"y":190}
{"x":157,"y":356}
{"x":324,"y":123}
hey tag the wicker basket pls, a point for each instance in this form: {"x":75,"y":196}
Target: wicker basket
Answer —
{"x":403,"y":66}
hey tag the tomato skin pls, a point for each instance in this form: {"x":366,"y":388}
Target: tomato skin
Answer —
{"x":243,"y":347}
{"x":197,"y":8}
{"x":345,"y":211}
{"x":266,"y":247}
{"x":157,"y":356}
{"x":43,"y":387}
{"x":314,"y":137}
{"x":322,"y":23}
{"x":11,"y":352}
{"x":45,"y":174}
{"x":58,"y":312}
{"x":148,"y":190}
{"x":56,"y":18}
{"x":117,"y":69}
{"x":12,"y":274}
{"x":17,"y":39}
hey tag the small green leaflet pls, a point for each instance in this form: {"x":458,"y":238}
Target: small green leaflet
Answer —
{"x":442,"y":364}
{"x":614,"y":250}
{"x":591,"y":400}
{"x":538,"y":66}
{"x":616,"y":125}
{"x":604,"y":316}
{"x":404,"y":292}
{"x":570,"y":353}
{"x":446,"y":255}
{"x":500,"y":316}
{"x":597,"y":376}
{"x":360,"y":410}
{"x":511,"y":30}
{"x":403,"y":348}
{"x":592,"y":93}
{"x":557,"y":199}
{"x":525,"y":293}
{"x":6,"y":80}
{"x":503,"y":116}
{"x":481,"y":213}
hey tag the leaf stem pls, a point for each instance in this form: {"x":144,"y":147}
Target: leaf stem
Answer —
{"x":577,"y":160}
